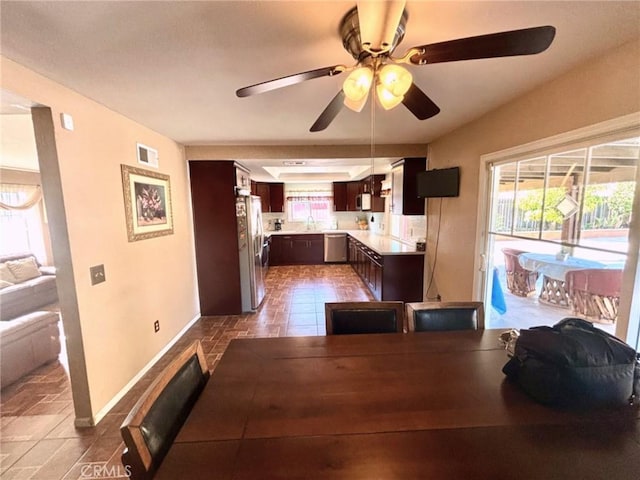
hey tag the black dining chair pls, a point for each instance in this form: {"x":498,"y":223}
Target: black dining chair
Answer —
{"x":441,"y":316}
{"x":344,"y":318}
{"x":155,"y":420}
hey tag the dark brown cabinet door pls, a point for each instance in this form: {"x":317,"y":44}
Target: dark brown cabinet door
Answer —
{"x":353,"y":190}
{"x":304,"y":249}
{"x":340,"y":196}
{"x":276,"y":197}
{"x":263,"y":191}
{"x":404,"y":192}
{"x":271,"y":196}
{"x":216,"y":236}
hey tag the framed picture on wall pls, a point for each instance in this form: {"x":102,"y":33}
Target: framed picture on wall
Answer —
{"x":147,"y":203}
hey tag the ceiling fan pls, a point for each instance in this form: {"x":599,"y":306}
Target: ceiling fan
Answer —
{"x":370,"y":32}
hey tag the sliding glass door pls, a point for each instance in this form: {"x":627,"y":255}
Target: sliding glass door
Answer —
{"x":559,"y":234}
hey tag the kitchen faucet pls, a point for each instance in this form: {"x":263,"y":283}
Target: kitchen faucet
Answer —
{"x":311,"y":224}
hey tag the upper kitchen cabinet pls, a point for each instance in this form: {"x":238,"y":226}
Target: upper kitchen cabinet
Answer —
{"x":353,"y":190}
{"x":340,"y":196}
{"x":404,"y":193}
{"x":345,"y":194}
{"x":271,"y":196}
{"x":374,"y":186}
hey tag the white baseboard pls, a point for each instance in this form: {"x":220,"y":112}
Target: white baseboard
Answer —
{"x":90,"y":422}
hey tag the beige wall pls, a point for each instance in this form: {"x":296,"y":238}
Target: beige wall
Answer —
{"x":604,"y":88}
{"x":147,"y":280}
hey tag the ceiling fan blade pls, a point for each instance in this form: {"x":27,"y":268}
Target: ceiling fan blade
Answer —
{"x":419,"y":104}
{"x":290,"y":80}
{"x":527,"y":41}
{"x":329,"y":113}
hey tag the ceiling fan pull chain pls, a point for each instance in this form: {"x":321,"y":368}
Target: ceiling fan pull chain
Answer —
{"x":373,"y":142}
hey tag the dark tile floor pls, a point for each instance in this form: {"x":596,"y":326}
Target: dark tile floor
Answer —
{"x":37,"y":437}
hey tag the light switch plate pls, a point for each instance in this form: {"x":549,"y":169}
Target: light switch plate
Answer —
{"x":97,"y":274}
{"x":67,"y":121}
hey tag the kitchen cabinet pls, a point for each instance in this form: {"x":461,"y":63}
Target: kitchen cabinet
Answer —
{"x":377,"y":202}
{"x":345,"y":193}
{"x":340,"y":196}
{"x":297,"y":249}
{"x":353,"y":190}
{"x":271,"y":196}
{"x":216,"y":234}
{"x":388,"y":277}
{"x":404,"y":193}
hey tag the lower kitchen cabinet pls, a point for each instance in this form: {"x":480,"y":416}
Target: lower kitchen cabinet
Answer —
{"x":303,"y":249}
{"x":388,"y":277}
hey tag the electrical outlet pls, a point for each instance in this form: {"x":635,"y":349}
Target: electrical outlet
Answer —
{"x":156,"y":326}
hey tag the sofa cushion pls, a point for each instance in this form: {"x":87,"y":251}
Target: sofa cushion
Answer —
{"x":4,"y":284}
{"x":25,"y":325}
{"x":24,"y":269}
{"x":5,"y":274}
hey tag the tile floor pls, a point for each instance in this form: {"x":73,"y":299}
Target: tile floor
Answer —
{"x":37,"y":437}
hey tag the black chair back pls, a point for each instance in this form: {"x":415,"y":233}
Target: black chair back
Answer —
{"x":154,"y":422}
{"x":364,"y":317}
{"x":443,"y":316}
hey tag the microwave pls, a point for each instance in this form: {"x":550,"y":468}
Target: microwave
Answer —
{"x":363,"y":202}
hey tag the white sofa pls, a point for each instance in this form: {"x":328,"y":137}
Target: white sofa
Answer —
{"x":26,"y":343}
{"x":27,"y":293}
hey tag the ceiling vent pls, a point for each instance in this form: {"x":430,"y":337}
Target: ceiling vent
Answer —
{"x":294,"y":163}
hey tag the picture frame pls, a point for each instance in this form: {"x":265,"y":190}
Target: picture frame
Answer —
{"x":147,"y":203}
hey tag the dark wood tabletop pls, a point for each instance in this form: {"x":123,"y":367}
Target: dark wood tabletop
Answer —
{"x":420,"y":405}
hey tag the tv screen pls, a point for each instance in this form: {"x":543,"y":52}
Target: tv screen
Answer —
{"x":443,"y":182}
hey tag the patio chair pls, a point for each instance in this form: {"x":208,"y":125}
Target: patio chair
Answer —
{"x":153,"y":423}
{"x":520,"y":281}
{"x":595,"y":293}
{"x":444,"y":316}
{"x":344,"y":318}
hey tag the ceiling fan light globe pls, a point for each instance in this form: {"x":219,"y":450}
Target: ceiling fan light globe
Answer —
{"x":395,"y":78}
{"x":356,"y":106}
{"x":386,"y":98}
{"x":356,"y":86}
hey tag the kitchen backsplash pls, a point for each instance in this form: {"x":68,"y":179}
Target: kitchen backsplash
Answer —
{"x":338,"y":221}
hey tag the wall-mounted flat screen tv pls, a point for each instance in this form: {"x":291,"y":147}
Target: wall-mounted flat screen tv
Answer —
{"x":444,"y":182}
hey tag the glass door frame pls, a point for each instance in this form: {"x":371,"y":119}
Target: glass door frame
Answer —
{"x":611,"y":130}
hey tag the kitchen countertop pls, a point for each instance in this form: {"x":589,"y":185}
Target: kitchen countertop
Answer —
{"x":381,"y":244}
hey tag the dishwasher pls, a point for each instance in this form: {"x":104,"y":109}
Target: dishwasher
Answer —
{"x":335,"y":247}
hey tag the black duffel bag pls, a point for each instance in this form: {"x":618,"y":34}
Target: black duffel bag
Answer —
{"x":574,"y":364}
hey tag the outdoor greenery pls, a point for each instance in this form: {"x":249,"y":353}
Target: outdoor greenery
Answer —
{"x":605,"y":206}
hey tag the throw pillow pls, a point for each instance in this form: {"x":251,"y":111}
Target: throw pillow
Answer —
{"x":5,"y":284}
{"x":5,"y":274}
{"x":24,"y":269}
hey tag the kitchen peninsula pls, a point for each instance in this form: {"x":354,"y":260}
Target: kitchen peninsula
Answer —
{"x":391,"y":269}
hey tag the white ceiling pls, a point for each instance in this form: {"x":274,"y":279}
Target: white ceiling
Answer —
{"x":175,"y":66}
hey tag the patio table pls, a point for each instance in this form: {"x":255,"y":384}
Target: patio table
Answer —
{"x":554,"y":289}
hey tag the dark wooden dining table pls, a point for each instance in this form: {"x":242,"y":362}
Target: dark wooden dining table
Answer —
{"x":389,"y":406}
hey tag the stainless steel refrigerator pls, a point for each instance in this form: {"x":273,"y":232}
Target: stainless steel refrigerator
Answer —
{"x":250,"y":240}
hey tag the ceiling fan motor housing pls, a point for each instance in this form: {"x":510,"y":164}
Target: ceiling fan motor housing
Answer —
{"x":352,"y":41}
